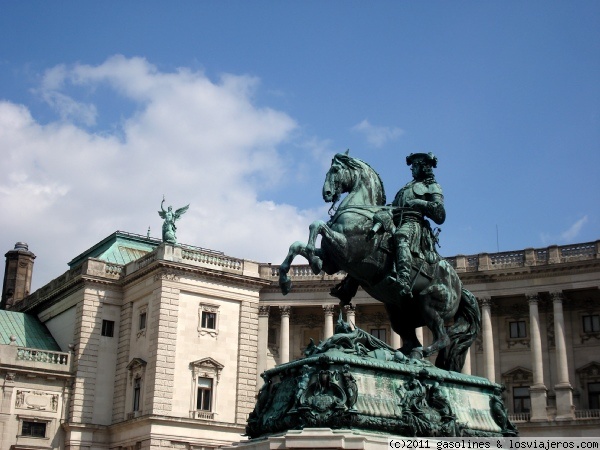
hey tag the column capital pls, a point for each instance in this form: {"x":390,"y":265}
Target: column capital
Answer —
{"x":328,"y":309}
{"x":485,"y":301}
{"x":533,"y":299}
{"x":263,"y":310}
{"x":285,"y":311}
{"x":350,"y":308}
{"x":557,"y":296}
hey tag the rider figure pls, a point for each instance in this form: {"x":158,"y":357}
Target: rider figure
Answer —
{"x":421,"y":198}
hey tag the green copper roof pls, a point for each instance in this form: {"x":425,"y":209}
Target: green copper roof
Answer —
{"x":28,"y":330}
{"x":119,"y":248}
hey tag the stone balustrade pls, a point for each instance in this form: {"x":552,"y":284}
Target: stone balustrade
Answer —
{"x":490,"y":261}
{"x":34,"y":358}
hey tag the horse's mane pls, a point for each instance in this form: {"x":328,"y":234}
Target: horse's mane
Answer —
{"x":359,"y":165}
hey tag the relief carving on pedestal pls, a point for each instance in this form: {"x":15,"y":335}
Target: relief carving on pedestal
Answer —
{"x":36,"y":400}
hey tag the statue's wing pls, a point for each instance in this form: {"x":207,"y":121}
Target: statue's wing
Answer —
{"x":162,"y":214}
{"x":181,"y":211}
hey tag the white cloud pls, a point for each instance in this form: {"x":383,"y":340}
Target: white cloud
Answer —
{"x":377,"y":136}
{"x":574,"y":230}
{"x":196,"y":141}
{"x":569,"y":235}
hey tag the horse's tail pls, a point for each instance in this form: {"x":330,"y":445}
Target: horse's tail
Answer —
{"x":464,"y":331}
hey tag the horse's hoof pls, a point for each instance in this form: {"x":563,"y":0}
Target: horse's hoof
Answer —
{"x":316,"y":266}
{"x":286,"y":286}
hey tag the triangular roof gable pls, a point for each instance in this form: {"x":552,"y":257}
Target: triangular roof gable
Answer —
{"x":136,"y":362}
{"x":518,"y":372}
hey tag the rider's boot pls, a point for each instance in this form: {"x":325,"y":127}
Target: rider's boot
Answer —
{"x":403,"y":264}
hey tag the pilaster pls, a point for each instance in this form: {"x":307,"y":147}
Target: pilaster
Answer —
{"x":263,"y":342}
{"x":247,"y":360}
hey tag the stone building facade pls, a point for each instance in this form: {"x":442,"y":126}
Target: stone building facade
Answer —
{"x":165,"y":344}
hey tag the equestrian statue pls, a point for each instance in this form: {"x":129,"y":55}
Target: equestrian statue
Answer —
{"x":390,"y":251}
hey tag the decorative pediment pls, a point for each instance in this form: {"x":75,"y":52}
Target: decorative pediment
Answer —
{"x":206,"y":367}
{"x":207,"y":362}
{"x":518,"y":375}
{"x":136,"y":363}
{"x":137,"y":368}
{"x":590,"y":370}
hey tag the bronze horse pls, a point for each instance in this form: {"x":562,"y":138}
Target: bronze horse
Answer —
{"x":349,"y":244}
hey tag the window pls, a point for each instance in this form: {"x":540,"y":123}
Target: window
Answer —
{"x":517,"y":329}
{"x":108,"y":328}
{"x":379,"y":333}
{"x":33,"y":429}
{"x":591,"y":324}
{"x":594,"y":395}
{"x":209,"y":320}
{"x":142,"y":321}
{"x":204,"y":398}
{"x":137,"y":391}
{"x":521,"y":399}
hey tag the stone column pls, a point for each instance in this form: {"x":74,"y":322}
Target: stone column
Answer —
{"x":419,"y":333}
{"x":263,"y":343}
{"x":488,"y":339}
{"x":350,"y":315}
{"x":328,"y":326}
{"x":563,"y":389}
{"x":467,"y":365}
{"x":396,"y":342}
{"x":538,"y":391}
{"x":284,"y":342}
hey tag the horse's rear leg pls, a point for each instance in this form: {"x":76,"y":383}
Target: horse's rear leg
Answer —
{"x":403,"y":323}
{"x":431,"y":303}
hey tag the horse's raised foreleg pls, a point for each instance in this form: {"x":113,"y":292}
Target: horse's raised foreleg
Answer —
{"x":314,"y":229}
{"x":285,"y":283}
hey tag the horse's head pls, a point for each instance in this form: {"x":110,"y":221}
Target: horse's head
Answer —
{"x":348,"y":174}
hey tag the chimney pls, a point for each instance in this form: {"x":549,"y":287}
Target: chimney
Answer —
{"x":17,"y":275}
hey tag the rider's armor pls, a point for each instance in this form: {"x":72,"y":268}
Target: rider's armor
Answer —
{"x":413,"y":236}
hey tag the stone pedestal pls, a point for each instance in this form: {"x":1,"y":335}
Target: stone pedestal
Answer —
{"x":564,"y":402}
{"x":354,"y":381}
{"x":317,"y":438}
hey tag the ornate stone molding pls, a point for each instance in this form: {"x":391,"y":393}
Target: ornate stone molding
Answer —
{"x":167,"y":275}
{"x":329,"y":310}
{"x":263,"y":310}
{"x":36,"y":400}
{"x":285,"y":311}
{"x":137,"y":369}
{"x":208,"y":308}
{"x":207,"y":368}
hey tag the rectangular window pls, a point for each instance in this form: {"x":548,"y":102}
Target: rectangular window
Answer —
{"x":594,"y":395}
{"x":137,"y":392}
{"x":204,"y":400}
{"x":591,"y":324}
{"x":209,"y":320}
{"x":379,"y":333}
{"x":521,"y":399}
{"x":108,"y":328}
{"x":33,"y":429}
{"x":517,"y":329}
{"x":142,"y":325}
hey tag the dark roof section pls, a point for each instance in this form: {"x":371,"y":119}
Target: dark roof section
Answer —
{"x":119,"y":248}
{"x":28,"y":331}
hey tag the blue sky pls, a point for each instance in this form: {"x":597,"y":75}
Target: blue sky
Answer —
{"x":237,"y":108}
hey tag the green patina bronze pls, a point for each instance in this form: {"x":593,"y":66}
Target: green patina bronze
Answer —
{"x":353,"y":380}
{"x":169,"y":228}
{"x":389,"y":251}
